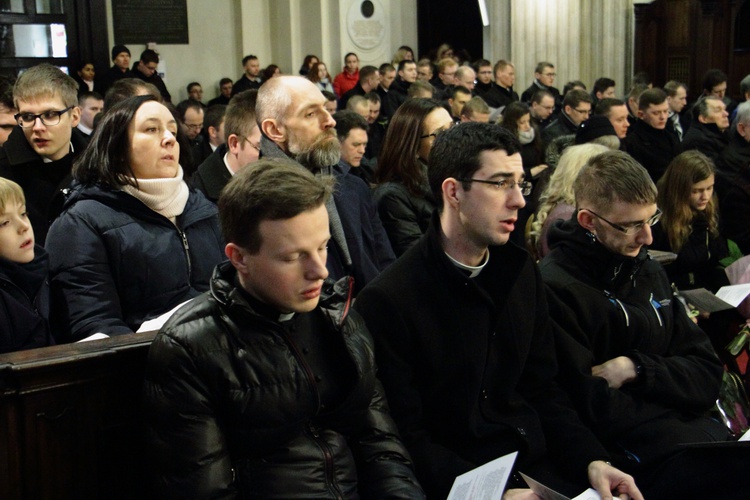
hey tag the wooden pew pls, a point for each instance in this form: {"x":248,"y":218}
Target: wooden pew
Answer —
{"x":69,"y":420}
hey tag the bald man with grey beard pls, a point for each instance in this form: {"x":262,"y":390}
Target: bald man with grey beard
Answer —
{"x":295,"y":124}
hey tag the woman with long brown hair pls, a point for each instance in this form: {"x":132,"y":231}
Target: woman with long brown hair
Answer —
{"x":689,"y":225}
{"x":405,"y":203}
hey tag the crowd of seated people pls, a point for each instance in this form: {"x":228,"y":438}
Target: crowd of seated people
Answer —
{"x":102,"y":232}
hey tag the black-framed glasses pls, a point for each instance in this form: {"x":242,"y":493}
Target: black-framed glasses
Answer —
{"x":48,"y":118}
{"x":436,"y":133}
{"x":504,"y":184}
{"x":630,"y":228}
{"x":194,"y":126}
{"x":583,"y":112}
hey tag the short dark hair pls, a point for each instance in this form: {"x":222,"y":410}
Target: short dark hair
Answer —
{"x":385,"y":68}
{"x":183,"y":106}
{"x":613,"y":176}
{"x":128,"y":87}
{"x":366,"y":72}
{"x":480,"y":63}
{"x":602,"y":84}
{"x":653,"y":96}
{"x":541,"y":65}
{"x":149,"y":56}
{"x":6,"y":92}
{"x":373,"y":97}
{"x":193,"y":84}
{"x":214,"y":116}
{"x":239,"y":117}
{"x":458,"y":89}
{"x":329,"y":95}
{"x":712,"y":78}
{"x":346,"y":121}
{"x":402,"y":64}
{"x":350,"y":54}
{"x":224,"y":81}
{"x":269,"y":189}
{"x":247,"y":58}
{"x":672,"y":86}
{"x":456,"y":151}
{"x":106,"y":160}
{"x":82,"y":98}
{"x":604,"y":106}
{"x":576,"y":97}
{"x":571,"y":85}
{"x":539,"y":96}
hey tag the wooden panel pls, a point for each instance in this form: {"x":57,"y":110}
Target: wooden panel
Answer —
{"x":69,"y":418}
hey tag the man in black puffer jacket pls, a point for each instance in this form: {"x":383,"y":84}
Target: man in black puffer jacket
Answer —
{"x":265,"y":386}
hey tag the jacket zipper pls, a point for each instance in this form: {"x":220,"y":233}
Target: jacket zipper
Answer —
{"x":615,"y":300}
{"x":330,"y":480}
{"x":186,"y":246}
{"x":658,"y":316}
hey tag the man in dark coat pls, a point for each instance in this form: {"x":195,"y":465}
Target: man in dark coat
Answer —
{"x":265,"y":386}
{"x":146,"y":70}
{"x":250,"y":79}
{"x":120,"y":69}
{"x":399,"y":89}
{"x":544,"y":79}
{"x":463,"y":342}
{"x":641,"y":374}
{"x":241,"y":148}
{"x":576,"y":110}
{"x":500,"y":93}
{"x":736,"y":156}
{"x":708,"y":131}
{"x":369,"y":79}
{"x":39,"y":153}
{"x":648,"y":140}
{"x":304,"y":131}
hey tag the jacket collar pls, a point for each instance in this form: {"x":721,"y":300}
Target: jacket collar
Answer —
{"x":607,"y":269}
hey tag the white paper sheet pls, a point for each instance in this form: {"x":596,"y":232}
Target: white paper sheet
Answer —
{"x":486,"y":481}
{"x":158,"y":322}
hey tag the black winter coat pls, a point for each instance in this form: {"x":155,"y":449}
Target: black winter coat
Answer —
{"x":608,"y":306}
{"x":652,"y":148}
{"x":24,"y":303}
{"x":404,"y":215}
{"x":732,"y":160}
{"x":212,"y":175}
{"x":706,"y":138}
{"x":469,"y":364}
{"x":232,"y":408}
{"x":735,"y":207}
{"x":43,"y":183}
{"x":114,"y":262}
{"x":697,"y":263}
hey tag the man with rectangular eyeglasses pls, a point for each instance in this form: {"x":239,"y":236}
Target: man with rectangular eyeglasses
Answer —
{"x":641,"y":374}
{"x":463,"y":340}
{"x":40,"y":151}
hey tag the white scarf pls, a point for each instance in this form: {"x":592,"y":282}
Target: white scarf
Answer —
{"x":164,"y":196}
{"x":526,"y":137}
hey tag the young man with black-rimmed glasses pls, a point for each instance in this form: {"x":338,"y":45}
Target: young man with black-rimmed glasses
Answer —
{"x":39,"y":152}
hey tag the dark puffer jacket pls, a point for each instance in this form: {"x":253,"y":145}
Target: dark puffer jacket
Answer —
{"x":24,"y":303}
{"x":232,"y":407}
{"x":115,"y":263}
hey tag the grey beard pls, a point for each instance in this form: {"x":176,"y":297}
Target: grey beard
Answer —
{"x":323,"y":153}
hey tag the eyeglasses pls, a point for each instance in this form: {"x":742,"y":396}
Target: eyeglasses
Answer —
{"x":549,"y":74}
{"x":48,"y":118}
{"x":436,"y":133}
{"x":196,"y":126}
{"x":583,"y":112}
{"x":630,"y":228}
{"x":524,"y":186}
{"x":257,"y":147}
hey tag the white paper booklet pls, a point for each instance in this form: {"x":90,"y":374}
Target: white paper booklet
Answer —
{"x":158,"y":322}
{"x":546,"y":493}
{"x":486,"y":482}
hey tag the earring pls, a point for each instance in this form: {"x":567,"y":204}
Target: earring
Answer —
{"x":591,"y":236}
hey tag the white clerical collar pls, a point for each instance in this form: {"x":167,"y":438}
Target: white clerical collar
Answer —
{"x":472,"y":270}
